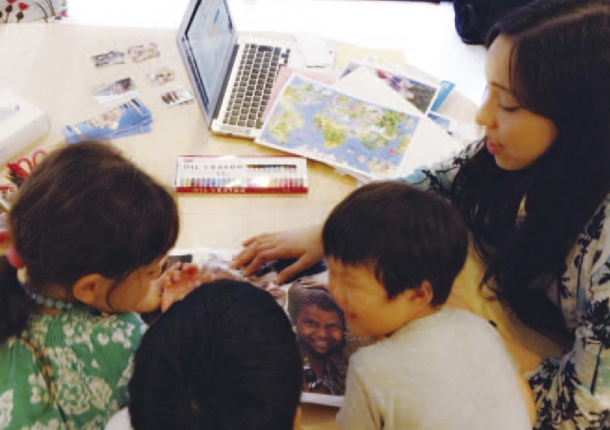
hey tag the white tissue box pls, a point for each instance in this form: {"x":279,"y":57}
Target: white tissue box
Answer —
{"x":21,"y":124}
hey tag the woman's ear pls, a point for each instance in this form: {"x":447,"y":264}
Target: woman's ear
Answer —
{"x":91,"y":290}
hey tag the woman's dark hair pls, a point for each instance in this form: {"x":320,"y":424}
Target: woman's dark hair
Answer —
{"x":559,"y":69}
{"x":223,"y":358}
{"x":85,"y":209}
{"x":303,"y":293}
{"x":405,"y":234}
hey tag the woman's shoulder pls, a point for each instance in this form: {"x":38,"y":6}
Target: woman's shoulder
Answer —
{"x":587,"y":264}
{"x":596,"y":232}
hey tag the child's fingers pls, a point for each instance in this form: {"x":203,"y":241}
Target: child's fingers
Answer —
{"x":176,"y":276}
{"x":176,"y":293}
{"x":174,"y":267}
{"x":165,"y":282}
{"x":190,"y":268}
{"x":207,"y":277}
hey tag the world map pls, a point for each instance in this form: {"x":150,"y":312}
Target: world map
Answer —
{"x":322,"y":123}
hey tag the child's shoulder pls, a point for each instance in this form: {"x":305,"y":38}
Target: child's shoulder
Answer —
{"x":439,"y":334}
{"x":78,"y":335}
{"x":80,"y":321}
{"x":84,"y":352}
{"x":458,"y":328}
{"x":80,"y":331}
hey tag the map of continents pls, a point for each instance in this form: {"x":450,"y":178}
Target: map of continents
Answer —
{"x":320,"y":122}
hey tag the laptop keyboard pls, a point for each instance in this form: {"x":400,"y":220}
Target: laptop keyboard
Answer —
{"x":254,"y":81}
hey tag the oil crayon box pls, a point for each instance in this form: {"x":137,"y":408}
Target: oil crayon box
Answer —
{"x":241,"y":174}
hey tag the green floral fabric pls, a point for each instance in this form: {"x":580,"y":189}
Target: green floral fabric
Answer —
{"x":68,"y":371}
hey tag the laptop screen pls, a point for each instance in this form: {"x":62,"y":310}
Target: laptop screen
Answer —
{"x":206,"y":40}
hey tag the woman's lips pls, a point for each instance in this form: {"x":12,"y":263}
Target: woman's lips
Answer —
{"x":492,"y":147}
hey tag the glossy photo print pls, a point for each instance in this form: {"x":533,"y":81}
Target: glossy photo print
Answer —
{"x":323,"y":336}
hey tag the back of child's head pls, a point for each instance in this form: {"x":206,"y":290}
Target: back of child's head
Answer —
{"x":404,"y":234}
{"x":303,"y":293}
{"x":223,"y":358}
{"x":85,"y":209}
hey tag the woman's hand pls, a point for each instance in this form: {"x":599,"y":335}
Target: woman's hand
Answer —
{"x":304,"y":244}
{"x":179,"y":280}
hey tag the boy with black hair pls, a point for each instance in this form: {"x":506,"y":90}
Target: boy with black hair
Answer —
{"x":393,"y":253}
{"x":225,"y":357}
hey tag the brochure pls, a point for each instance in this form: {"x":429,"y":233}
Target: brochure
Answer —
{"x":325,"y":342}
{"x":126,"y":119}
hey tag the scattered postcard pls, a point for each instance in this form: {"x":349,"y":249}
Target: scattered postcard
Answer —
{"x":443,"y":121}
{"x":127,"y":119}
{"x":177,"y":96}
{"x":143,"y":52}
{"x":380,"y":62}
{"x":324,"y":366}
{"x":347,"y":53}
{"x":417,"y":92}
{"x":108,"y":58}
{"x":162,"y":76}
{"x":467,"y":132}
{"x":121,"y":89}
{"x":444,"y":91}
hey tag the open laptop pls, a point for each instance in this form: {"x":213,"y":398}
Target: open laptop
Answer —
{"x":232,"y":75}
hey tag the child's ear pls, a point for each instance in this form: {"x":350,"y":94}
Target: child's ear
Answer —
{"x":89,"y":289}
{"x":422,"y":295}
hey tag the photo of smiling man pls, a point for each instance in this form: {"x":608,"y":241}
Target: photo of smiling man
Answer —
{"x":320,"y":328}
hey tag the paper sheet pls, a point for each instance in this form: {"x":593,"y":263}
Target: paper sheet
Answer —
{"x":430,"y":142}
{"x":388,"y":57}
{"x":283,"y":76}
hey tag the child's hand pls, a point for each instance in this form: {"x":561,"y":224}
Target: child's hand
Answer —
{"x":223,"y":272}
{"x":179,"y":280}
